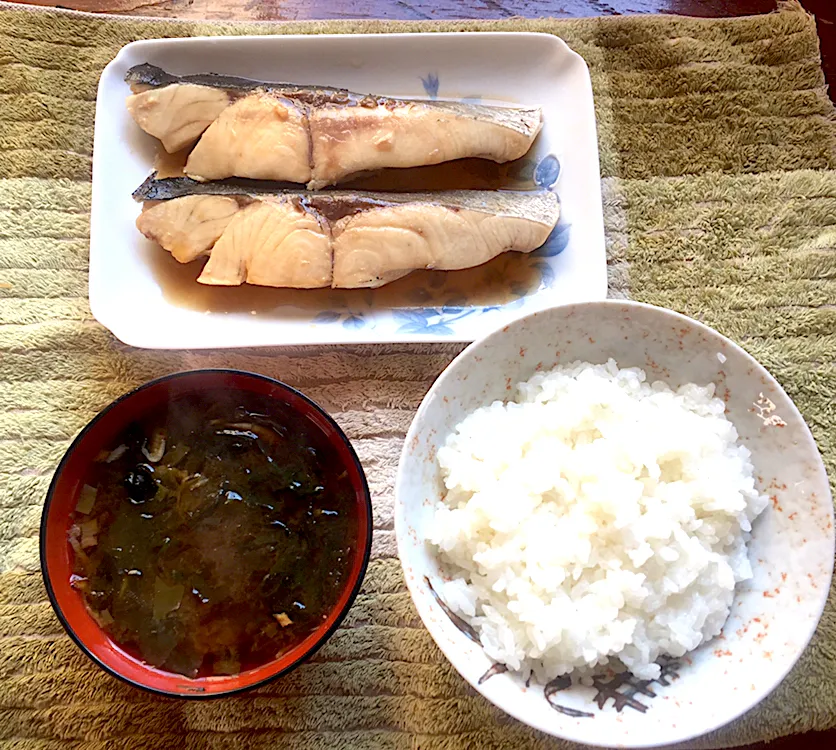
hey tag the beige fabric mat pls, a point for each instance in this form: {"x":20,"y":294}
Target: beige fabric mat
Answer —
{"x":717,"y":152}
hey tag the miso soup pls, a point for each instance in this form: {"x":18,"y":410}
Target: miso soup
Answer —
{"x":214,"y":535}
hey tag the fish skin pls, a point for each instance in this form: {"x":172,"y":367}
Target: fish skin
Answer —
{"x":541,"y":206}
{"x":146,"y":74}
{"x":164,"y":189}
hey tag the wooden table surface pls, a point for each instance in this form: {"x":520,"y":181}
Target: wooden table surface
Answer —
{"x":286,"y":10}
{"x":291,"y":10}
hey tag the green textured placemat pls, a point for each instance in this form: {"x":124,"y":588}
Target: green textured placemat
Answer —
{"x":718,"y":147}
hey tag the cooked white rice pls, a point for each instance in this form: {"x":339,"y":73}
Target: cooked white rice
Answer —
{"x":595,"y":518}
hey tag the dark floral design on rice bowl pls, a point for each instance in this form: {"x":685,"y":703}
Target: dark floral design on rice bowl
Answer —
{"x":621,"y":687}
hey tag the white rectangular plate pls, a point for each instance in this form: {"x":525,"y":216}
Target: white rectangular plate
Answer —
{"x":135,"y":299}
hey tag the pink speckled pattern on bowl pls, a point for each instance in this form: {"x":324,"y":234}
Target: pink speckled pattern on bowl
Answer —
{"x":774,"y":615}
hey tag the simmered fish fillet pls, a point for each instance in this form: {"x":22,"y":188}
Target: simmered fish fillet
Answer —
{"x":177,"y":115}
{"x":346,"y":140}
{"x":341,"y":239}
{"x":372,"y":248}
{"x":260,"y":136}
{"x":188,"y":227}
{"x":314,"y":134}
{"x":271,"y":242}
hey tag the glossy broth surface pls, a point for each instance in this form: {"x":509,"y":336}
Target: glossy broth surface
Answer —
{"x":214,"y":535}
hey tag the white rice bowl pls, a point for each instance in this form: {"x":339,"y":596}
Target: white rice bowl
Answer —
{"x":790,"y":548}
{"x":594,"y":518}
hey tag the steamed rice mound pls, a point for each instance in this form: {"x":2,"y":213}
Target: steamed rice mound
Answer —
{"x":595,"y":518}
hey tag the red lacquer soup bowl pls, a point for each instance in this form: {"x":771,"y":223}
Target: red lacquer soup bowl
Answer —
{"x":63,"y":496}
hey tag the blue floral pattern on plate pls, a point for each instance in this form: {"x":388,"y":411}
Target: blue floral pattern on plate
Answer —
{"x":547,"y":171}
{"x":431,"y":85}
{"x":556,"y":242}
{"x":347,"y":318}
